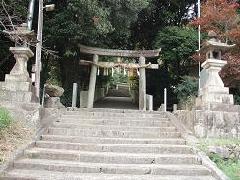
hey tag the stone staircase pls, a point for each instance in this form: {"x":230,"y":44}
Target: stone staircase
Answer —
{"x":110,"y":145}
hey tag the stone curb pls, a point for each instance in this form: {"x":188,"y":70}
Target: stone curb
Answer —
{"x":193,"y":141}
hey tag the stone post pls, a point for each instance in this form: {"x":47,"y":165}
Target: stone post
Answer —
{"x":92,"y":83}
{"x":175,"y":107}
{"x":142,"y":85}
{"x":165,"y":99}
{"x":74,"y":95}
{"x":149,"y":102}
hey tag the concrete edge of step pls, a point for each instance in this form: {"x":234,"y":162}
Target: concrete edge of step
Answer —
{"x":192,"y":141}
{"x":18,"y":153}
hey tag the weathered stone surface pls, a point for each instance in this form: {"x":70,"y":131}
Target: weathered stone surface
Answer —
{"x":119,"y":53}
{"x":18,"y":86}
{"x":92,"y":82}
{"x":54,"y":91}
{"x":221,"y":151}
{"x":211,"y":123}
{"x":226,"y":151}
{"x":120,"y":152}
{"x":53,"y":102}
{"x":212,"y":89}
{"x":19,"y":71}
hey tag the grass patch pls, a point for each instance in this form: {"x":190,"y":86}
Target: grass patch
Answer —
{"x":231,"y":167}
{"x":5,"y":118}
{"x":13,"y":134}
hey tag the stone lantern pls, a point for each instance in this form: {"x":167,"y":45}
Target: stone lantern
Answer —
{"x":18,"y":85}
{"x":212,"y":91}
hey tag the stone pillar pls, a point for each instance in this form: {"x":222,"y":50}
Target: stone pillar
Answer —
{"x":142,"y":85}
{"x":92,"y":83}
{"x":149,"y":102}
{"x":74,"y":95}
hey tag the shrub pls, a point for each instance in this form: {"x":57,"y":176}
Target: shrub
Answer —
{"x":230,"y":167}
{"x":187,"y":90}
{"x":237,"y":98}
{"x":5,"y":118}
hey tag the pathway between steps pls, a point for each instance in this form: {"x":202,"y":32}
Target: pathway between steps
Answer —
{"x":117,"y":99}
{"x":116,"y":103}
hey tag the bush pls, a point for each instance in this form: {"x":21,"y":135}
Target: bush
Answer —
{"x":237,"y":97}
{"x":5,"y":118}
{"x":230,"y":167}
{"x":187,"y":90}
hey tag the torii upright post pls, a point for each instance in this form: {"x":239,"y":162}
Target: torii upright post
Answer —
{"x":92,"y":83}
{"x":142,"y":84}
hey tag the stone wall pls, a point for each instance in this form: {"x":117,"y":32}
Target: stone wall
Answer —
{"x":209,"y":123}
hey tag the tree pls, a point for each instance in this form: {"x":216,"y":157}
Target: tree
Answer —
{"x":178,"y":44}
{"x":100,"y":23}
{"x":156,"y":16}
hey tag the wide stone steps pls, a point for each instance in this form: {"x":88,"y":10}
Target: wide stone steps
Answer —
{"x":129,"y":148}
{"x":111,"y":133}
{"x":136,"y":169}
{"x":111,"y":157}
{"x":120,"y":122}
{"x":96,"y":140}
{"x":111,"y":145}
{"x":20,"y":174}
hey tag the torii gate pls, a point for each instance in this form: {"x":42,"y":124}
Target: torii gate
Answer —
{"x":96,"y":52}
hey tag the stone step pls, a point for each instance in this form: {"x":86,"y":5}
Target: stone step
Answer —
{"x":137,"y":114}
{"x":111,"y":133}
{"x":130,"y":148}
{"x":137,"y":169}
{"x":117,"y":121}
{"x":96,"y":140}
{"x":111,"y":117}
{"x":110,"y":157}
{"x":114,"y":127}
{"x":22,"y":174}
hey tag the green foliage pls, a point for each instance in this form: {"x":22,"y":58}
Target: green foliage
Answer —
{"x":92,"y":22}
{"x":157,"y":16}
{"x":54,"y":75}
{"x":118,"y":78}
{"x":187,"y":89}
{"x":134,"y":83}
{"x":230,"y":167}
{"x":237,"y":97}
{"x":5,"y":118}
{"x":178,"y":45}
